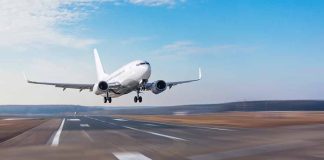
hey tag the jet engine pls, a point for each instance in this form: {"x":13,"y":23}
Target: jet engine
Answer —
{"x":158,"y":87}
{"x":101,"y":87}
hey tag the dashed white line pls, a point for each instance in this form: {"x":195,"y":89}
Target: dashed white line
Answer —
{"x":119,"y":119}
{"x":130,"y":156}
{"x":183,"y":125}
{"x":144,"y":131}
{"x":150,"y":124}
{"x":96,"y":119}
{"x":84,"y":125}
{"x":157,"y":134}
{"x":56,"y":139}
{"x":73,"y":119}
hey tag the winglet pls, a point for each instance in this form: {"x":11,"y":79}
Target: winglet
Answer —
{"x":199,"y":78}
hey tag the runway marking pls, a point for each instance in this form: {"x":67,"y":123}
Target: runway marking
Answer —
{"x":84,"y":125}
{"x":73,"y":119}
{"x":100,"y":120}
{"x":200,"y":127}
{"x":56,"y":139}
{"x":121,"y":120}
{"x":130,"y":156}
{"x":150,"y":124}
{"x":157,"y":134}
{"x":144,"y":131}
{"x":183,"y":125}
{"x":87,"y":135}
{"x":180,"y":125}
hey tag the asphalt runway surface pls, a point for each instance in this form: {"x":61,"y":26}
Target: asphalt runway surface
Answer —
{"x":108,"y":138}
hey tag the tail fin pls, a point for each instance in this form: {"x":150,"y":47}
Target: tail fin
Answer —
{"x":100,"y":72}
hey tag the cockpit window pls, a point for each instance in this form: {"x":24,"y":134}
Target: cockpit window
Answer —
{"x":142,"y":63}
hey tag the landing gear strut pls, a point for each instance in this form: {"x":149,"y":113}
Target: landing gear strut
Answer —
{"x":138,"y":97}
{"x":107,"y":98}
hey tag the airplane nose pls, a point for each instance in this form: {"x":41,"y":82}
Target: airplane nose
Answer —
{"x":146,"y":69}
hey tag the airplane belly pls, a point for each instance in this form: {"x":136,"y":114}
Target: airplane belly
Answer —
{"x":127,"y":86}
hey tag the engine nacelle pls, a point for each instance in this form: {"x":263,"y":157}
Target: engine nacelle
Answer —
{"x":101,"y":87}
{"x":158,"y":87}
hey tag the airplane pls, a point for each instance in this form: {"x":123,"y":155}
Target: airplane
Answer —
{"x":131,"y":77}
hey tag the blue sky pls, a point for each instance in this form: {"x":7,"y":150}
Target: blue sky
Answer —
{"x":248,"y":49}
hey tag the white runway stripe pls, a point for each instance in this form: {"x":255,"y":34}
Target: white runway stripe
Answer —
{"x":56,"y":139}
{"x":157,"y":134}
{"x":73,"y":119}
{"x":144,"y":131}
{"x":130,"y":156}
{"x":183,"y":125}
{"x":119,"y":119}
{"x":84,"y":125}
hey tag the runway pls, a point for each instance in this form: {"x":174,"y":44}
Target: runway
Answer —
{"x":109,"y":138}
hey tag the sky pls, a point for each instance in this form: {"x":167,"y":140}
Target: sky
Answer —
{"x":247,"y":49}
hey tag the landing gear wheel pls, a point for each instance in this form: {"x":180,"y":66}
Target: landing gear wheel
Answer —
{"x":135,"y":99}
{"x":105,"y":100}
{"x":140,"y":99}
{"x":109,"y":99}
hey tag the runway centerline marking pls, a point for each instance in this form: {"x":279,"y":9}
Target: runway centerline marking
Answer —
{"x":144,"y":131}
{"x":73,"y":119}
{"x":130,"y":156}
{"x":56,"y":139}
{"x":84,"y":125}
{"x":121,"y":120}
{"x":157,"y":134}
{"x":183,"y":125}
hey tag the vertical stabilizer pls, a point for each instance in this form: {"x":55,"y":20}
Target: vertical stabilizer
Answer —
{"x":100,"y":72}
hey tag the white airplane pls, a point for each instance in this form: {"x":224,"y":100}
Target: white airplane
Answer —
{"x":131,"y":77}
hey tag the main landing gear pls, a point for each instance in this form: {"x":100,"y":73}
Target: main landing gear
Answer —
{"x":138,"y":97}
{"x":107,"y":98}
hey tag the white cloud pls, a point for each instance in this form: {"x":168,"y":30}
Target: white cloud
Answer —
{"x":35,"y":22}
{"x":183,"y":48}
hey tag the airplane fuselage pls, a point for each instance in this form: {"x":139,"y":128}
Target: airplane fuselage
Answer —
{"x":129,"y":76}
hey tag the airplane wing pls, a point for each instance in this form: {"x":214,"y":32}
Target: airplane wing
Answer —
{"x":148,"y":86}
{"x":79,"y":86}
{"x":62,"y":85}
{"x":65,"y":85}
{"x":171,"y":84}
